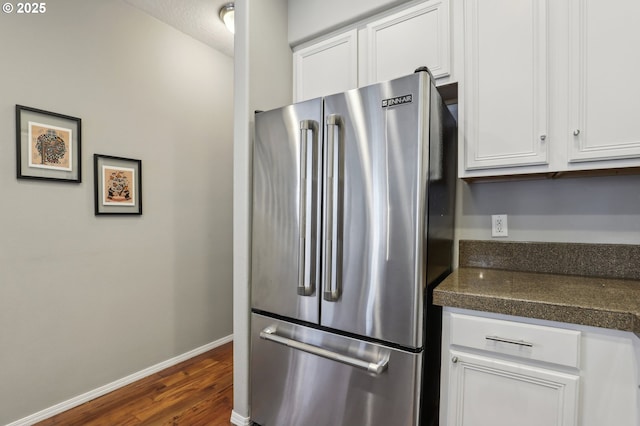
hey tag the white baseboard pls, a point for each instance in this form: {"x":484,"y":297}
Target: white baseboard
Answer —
{"x":103,"y":390}
{"x":239,"y":420}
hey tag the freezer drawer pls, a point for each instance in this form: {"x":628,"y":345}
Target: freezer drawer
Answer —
{"x":305,"y":376}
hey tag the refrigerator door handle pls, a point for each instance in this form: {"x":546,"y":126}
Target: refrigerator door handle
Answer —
{"x":378,"y":367}
{"x":308,"y":208}
{"x":333,"y":178}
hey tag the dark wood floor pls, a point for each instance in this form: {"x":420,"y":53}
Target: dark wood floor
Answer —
{"x":196,"y":392}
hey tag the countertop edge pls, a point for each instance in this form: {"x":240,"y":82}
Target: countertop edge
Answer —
{"x":453,"y":292}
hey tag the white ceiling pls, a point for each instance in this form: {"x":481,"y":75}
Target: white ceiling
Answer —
{"x":197,"y":18}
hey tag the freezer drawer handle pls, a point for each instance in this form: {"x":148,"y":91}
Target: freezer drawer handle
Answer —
{"x":510,"y":341}
{"x":334,"y":187}
{"x":308,"y":208}
{"x":380,"y":367}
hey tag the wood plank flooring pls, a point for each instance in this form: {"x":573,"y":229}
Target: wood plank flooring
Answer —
{"x":197,"y":392}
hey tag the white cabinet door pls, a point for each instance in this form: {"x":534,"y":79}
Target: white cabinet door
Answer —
{"x":605,"y":88}
{"x":486,"y":391}
{"x":505,"y":83}
{"x":327,"y":67}
{"x":398,"y":44}
{"x":610,"y":387}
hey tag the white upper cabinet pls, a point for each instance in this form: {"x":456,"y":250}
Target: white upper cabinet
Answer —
{"x":326,"y":67}
{"x":605,"y":90}
{"x":383,"y":47}
{"x":399,"y":43}
{"x":547,"y":87}
{"x":506,"y":91}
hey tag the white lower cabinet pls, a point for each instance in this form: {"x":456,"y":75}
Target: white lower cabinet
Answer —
{"x":490,"y":391}
{"x":500,"y":370}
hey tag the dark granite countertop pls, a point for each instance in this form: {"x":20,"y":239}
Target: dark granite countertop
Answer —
{"x":599,"y":301}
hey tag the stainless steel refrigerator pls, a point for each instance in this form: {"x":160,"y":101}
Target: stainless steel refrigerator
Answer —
{"x":353,"y":205}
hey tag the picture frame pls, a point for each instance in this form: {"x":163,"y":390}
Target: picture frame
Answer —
{"x":48,"y":145}
{"x":117,"y":185}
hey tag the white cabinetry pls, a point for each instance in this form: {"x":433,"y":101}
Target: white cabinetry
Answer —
{"x":605,"y":89}
{"x":399,"y":43}
{"x":326,"y":67}
{"x":504,"y":370}
{"x":386,"y":46}
{"x":547,"y":87}
{"x":506,"y":108}
{"x":490,"y":391}
{"x":513,"y":377}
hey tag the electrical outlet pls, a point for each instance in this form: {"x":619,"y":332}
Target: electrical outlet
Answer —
{"x":499,"y":225}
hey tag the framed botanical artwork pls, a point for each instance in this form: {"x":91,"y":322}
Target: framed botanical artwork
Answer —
{"x":118,"y":185}
{"x":48,"y":145}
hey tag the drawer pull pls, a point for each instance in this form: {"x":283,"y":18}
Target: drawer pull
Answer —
{"x":378,"y":367}
{"x":511,"y":341}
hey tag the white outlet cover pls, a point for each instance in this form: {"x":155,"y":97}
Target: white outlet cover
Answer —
{"x":499,"y":226}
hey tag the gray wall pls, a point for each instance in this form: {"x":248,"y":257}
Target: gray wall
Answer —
{"x":585,"y":209}
{"x":87,"y":300}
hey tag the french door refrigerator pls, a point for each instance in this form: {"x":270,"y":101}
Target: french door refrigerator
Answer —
{"x":353,"y":198}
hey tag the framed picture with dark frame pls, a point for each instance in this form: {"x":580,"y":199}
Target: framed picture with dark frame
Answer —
{"x":48,"y":145}
{"x":118,"y":185}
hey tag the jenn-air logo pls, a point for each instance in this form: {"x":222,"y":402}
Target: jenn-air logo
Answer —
{"x":398,"y":100}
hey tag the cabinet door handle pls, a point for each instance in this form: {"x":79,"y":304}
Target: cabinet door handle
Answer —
{"x":576,"y":132}
{"x":510,"y":341}
{"x":543,"y":137}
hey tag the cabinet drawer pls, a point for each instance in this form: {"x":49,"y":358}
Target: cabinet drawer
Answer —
{"x":534,"y":342}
